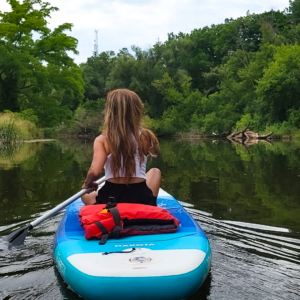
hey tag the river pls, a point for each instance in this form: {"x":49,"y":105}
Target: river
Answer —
{"x":245,"y":199}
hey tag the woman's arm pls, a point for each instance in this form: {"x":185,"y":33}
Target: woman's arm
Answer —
{"x":150,"y":144}
{"x":97,"y":165}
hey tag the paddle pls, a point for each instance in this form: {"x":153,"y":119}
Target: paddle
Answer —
{"x":17,"y":237}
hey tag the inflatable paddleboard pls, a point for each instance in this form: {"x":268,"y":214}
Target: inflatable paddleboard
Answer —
{"x":160,"y":266}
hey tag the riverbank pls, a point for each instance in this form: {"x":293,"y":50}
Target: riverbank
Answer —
{"x":292,"y":134}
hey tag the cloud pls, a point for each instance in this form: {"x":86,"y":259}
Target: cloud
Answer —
{"x":122,"y":23}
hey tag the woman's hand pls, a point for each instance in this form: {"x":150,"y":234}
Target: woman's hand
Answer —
{"x":93,"y":186}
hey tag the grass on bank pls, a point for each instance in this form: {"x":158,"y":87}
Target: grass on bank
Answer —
{"x":13,"y":128}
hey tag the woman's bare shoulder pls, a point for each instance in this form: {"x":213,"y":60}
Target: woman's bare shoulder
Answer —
{"x":101,"y":139}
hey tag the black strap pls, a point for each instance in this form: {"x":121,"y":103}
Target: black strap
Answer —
{"x":103,"y":239}
{"x":115,"y":234}
{"x":101,"y":227}
{"x":116,"y":216}
{"x":104,"y":231}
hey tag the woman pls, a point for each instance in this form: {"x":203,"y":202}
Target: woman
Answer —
{"x":122,"y":151}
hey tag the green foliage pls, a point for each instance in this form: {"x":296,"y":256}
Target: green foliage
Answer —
{"x":282,"y":129}
{"x":49,"y":132}
{"x":93,"y":106}
{"x":87,"y":120}
{"x":28,"y":114}
{"x":279,"y":87}
{"x":95,"y":74}
{"x":37,"y":74}
{"x":244,"y":121}
{"x":214,"y":79}
{"x":181,"y":101}
{"x":294,"y":9}
{"x":294,"y":117}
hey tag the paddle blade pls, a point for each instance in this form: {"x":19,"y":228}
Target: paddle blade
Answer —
{"x":17,"y":237}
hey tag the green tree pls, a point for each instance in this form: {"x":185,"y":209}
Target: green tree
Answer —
{"x":214,"y":78}
{"x":279,"y":89}
{"x":183,"y":104}
{"x":95,"y":75}
{"x":36,"y":71}
{"x":294,"y":9}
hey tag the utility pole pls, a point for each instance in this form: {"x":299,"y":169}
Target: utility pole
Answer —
{"x":95,"y":52}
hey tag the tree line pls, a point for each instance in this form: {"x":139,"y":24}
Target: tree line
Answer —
{"x":214,"y":79}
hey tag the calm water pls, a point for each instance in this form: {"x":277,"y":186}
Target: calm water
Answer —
{"x":246,"y":200}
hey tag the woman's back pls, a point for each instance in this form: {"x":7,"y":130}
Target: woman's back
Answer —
{"x":122,"y":150}
{"x":140,"y":166}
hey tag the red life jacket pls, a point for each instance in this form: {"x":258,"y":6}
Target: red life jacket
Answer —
{"x":125,"y":219}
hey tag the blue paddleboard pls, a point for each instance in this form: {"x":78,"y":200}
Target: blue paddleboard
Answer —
{"x":160,"y":266}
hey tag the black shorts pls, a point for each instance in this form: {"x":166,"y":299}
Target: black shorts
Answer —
{"x":126,"y":193}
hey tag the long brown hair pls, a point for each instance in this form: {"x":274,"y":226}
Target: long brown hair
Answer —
{"x":125,"y":135}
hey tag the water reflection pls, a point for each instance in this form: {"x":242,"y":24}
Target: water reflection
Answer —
{"x":260,"y":184}
{"x":39,"y":178}
{"x":246,"y":200}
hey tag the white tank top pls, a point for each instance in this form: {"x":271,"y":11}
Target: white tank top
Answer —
{"x":140,"y":169}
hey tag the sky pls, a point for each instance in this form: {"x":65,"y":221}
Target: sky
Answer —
{"x":123,"y":23}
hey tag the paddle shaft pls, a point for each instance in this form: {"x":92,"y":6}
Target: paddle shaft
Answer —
{"x":62,"y":205}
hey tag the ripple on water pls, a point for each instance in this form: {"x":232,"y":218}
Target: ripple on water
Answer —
{"x":250,"y":261}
